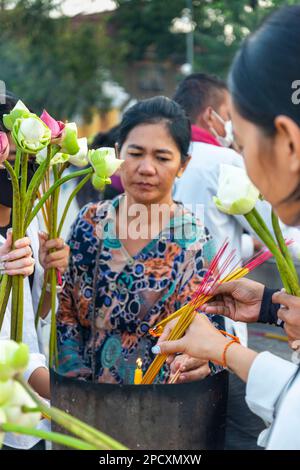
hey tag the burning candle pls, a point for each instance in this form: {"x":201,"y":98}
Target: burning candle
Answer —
{"x":138,"y":373}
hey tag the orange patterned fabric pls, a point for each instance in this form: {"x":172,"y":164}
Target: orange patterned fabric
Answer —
{"x":133,"y":293}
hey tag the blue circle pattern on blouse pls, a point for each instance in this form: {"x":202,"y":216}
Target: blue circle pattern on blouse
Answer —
{"x":124,"y":295}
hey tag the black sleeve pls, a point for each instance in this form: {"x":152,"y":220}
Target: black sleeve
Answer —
{"x":268,"y":310}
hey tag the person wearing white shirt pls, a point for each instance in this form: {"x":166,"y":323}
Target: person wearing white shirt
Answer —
{"x":33,"y":338}
{"x":266,"y":121}
{"x":205,"y":99}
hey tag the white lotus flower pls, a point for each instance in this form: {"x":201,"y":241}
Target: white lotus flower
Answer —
{"x":236,"y":194}
{"x":14,"y":358}
{"x":2,"y":420}
{"x":13,"y":409}
{"x":6,"y":391}
{"x":80,"y":158}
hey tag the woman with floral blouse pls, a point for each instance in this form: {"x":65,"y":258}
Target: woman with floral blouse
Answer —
{"x":128,"y":273}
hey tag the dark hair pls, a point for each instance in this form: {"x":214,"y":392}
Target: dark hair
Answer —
{"x":106,"y":139}
{"x":265,"y":68}
{"x":155,"y":110}
{"x":197,"y":91}
{"x":7,"y":103}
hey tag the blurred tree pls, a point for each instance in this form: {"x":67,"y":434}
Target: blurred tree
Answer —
{"x":221,"y":25}
{"x":51,"y":62}
{"x":225,"y":24}
{"x":143,"y":23}
{"x":58,"y":63}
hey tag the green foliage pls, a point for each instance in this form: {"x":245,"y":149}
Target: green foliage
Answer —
{"x":221,"y":25}
{"x":60,"y":64}
{"x":53,"y":63}
{"x":142,"y":23}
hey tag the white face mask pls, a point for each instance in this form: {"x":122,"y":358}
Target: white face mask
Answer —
{"x":228,"y":140}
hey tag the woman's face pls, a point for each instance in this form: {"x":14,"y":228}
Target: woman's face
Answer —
{"x":272,"y":163}
{"x":151,"y":163}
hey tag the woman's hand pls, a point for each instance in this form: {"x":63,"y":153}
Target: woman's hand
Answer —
{"x":201,"y":340}
{"x":289,"y":313}
{"x":59,"y":258}
{"x":204,"y":341}
{"x":239,"y":300}
{"x":18,"y":261}
{"x":191,"y":369}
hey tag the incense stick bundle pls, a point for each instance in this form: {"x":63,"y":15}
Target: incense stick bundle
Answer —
{"x":186,"y":314}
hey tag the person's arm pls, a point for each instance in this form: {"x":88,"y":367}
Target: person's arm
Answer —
{"x":192,"y":271}
{"x":188,"y":280}
{"x":268,"y":310}
{"x":266,"y":375}
{"x":37,"y":375}
{"x":203,"y":341}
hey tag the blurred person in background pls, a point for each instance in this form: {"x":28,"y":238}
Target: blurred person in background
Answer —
{"x":205,"y":100}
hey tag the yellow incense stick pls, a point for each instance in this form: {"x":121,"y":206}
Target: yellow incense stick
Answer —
{"x":237,"y":274}
{"x":187,"y":314}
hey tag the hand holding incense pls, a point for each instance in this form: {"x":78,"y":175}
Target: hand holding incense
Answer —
{"x":214,"y":276}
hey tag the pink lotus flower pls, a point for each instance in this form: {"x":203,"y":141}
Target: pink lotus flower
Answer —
{"x":4,"y":147}
{"x":56,"y":127}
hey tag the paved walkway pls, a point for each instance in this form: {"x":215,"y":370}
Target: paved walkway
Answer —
{"x":259,"y":342}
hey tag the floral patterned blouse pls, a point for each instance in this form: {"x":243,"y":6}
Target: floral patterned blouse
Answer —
{"x":101,"y":336}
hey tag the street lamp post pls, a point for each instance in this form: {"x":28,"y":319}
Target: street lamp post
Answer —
{"x":190,"y":37}
{"x":186,"y":25}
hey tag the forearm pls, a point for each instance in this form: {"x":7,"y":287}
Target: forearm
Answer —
{"x":40,"y":382}
{"x":46,"y":305}
{"x":238,"y":358}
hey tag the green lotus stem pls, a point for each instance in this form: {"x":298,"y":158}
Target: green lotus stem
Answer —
{"x":69,"y":441}
{"x":35,"y":184}
{"x":54,"y":187}
{"x":28,"y":409}
{"x":72,"y":196}
{"x":289,"y":283}
{"x":23,"y":188}
{"x":74,"y":425}
{"x":270,"y":243}
{"x":16,"y":235}
{"x":282,"y":245}
{"x":20,"y":312}
{"x":17,"y":162}
{"x":53,"y":359}
{"x":14,"y":308}
{"x":19,"y":285}
{"x":63,"y":167}
{"x":42,"y":298}
{"x":16,"y":199}
{"x":5,"y":288}
{"x":261,"y":222}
